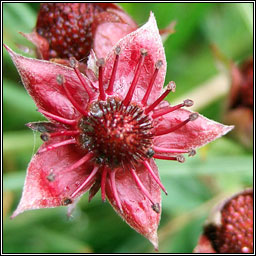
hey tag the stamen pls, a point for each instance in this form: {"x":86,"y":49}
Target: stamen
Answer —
{"x":169,"y":88}
{"x":46,"y":136}
{"x":74,"y":65}
{"x":58,"y":118}
{"x":112,"y":175}
{"x":191,"y":117}
{"x":61,"y":81}
{"x":141,"y":186}
{"x":147,"y":165}
{"x":57,"y":145}
{"x":113,"y":75}
{"x":158,"y":65}
{"x":86,"y":182}
{"x":166,"y":110}
{"x":129,"y":95}
{"x":179,"y":158}
{"x":172,"y":150}
{"x":100,"y":63}
{"x":103,"y":184}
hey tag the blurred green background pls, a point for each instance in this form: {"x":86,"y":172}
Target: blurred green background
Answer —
{"x":220,"y":168}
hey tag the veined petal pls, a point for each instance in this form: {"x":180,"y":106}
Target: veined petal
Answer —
{"x":47,"y":183}
{"x":147,"y":37}
{"x":104,"y":38}
{"x":40,"y":79}
{"x":192,"y":135}
{"x":136,"y":208}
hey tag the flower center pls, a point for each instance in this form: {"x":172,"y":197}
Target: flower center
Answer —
{"x":117,"y":134}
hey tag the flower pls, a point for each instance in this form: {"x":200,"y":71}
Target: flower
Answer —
{"x":105,"y":134}
{"x":230,"y":228}
{"x":66,"y":30}
{"x":239,"y":110}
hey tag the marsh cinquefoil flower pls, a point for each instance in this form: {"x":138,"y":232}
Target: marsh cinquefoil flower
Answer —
{"x":105,"y":134}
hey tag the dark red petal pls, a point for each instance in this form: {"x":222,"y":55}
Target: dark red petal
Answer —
{"x":147,"y":37}
{"x":40,"y":42}
{"x":204,"y":245}
{"x":45,"y":127}
{"x":47,"y":183}
{"x":192,"y":135}
{"x":40,"y":79}
{"x":104,"y":38}
{"x":137,"y":209}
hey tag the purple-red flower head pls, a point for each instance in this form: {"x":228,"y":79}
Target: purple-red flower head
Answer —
{"x":230,"y":229}
{"x":105,"y":133}
{"x":66,"y":30}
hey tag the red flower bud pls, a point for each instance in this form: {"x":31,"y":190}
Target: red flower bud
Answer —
{"x":231,"y":228}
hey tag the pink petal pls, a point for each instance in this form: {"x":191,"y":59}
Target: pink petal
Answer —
{"x":104,"y":38}
{"x":47,"y":183}
{"x":147,"y":37}
{"x":40,"y":79}
{"x":137,"y":209}
{"x":192,"y":135}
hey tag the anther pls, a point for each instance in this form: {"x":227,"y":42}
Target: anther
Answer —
{"x":100,"y":62}
{"x":150,"y":153}
{"x":159,"y":64}
{"x":45,"y":136}
{"x":171,"y":86}
{"x":191,"y":152}
{"x":73,"y":62}
{"x":143,"y":52}
{"x":156,"y":207}
{"x":180,"y":158}
{"x":117,"y":50}
{"x":60,"y":79}
{"x":193,"y":116}
{"x":188,"y":103}
{"x":67,"y":201}
{"x":51,"y":177}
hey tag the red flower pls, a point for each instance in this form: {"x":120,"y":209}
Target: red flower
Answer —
{"x":73,"y":29}
{"x":104,"y":134}
{"x":239,"y":109}
{"x":230,"y":229}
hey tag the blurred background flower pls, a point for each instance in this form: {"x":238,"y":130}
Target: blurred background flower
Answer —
{"x":229,"y":228}
{"x":193,"y":187}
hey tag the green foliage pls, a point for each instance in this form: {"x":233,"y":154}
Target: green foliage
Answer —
{"x":219,"y":168}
